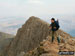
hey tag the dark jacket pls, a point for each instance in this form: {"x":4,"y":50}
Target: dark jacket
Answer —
{"x":55,"y":24}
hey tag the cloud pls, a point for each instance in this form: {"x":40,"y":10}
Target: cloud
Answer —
{"x":28,"y":8}
{"x":34,"y":1}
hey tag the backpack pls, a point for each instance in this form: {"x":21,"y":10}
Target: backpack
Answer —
{"x":57,"y":25}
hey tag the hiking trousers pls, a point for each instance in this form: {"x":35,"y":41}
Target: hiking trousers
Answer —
{"x":55,"y":35}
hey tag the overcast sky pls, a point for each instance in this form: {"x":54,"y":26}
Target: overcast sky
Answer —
{"x":25,"y":8}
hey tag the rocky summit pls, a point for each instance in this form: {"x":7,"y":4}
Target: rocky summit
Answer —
{"x":34,"y":39}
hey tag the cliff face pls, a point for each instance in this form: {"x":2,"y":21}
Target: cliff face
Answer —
{"x":32,"y":33}
{"x":29,"y":36}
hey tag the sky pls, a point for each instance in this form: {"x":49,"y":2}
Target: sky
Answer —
{"x":36,"y":7}
{"x":16,"y":12}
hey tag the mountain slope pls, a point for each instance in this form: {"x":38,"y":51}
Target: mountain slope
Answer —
{"x":5,"y":39}
{"x":29,"y":37}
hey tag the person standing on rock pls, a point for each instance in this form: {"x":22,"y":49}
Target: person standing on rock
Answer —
{"x":54,"y":26}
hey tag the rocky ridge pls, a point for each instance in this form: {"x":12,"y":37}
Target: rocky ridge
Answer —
{"x":33,"y":39}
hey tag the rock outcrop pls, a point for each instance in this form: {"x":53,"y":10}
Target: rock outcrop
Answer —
{"x":33,"y":39}
{"x":46,"y":48}
{"x":29,"y":36}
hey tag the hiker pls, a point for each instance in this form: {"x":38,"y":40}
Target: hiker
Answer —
{"x":54,"y":26}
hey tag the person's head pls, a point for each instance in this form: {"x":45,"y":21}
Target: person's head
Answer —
{"x":52,"y":20}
